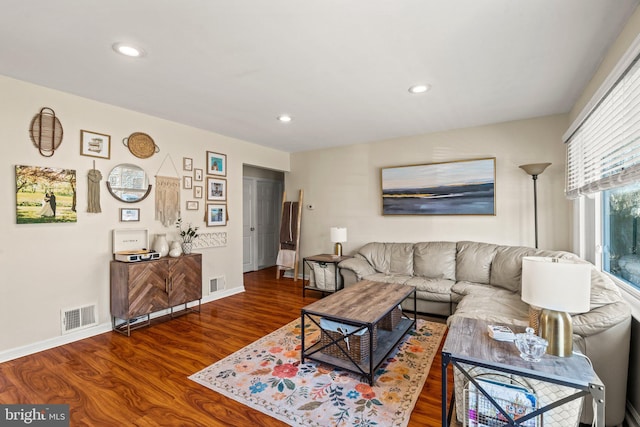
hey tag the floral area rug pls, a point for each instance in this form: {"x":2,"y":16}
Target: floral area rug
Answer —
{"x":267,"y":375}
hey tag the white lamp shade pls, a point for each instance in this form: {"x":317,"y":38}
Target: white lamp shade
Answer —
{"x":556,"y":284}
{"x":338,"y":234}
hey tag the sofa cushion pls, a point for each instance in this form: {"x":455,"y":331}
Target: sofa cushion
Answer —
{"x":463,"y":288}
{"x":500,"y":307}
{"x":506,"y":268}
{"x":396,"y":258}
{"x":432,"y":289}
{"x":436,"y":260}
{"x":473,"y":261}
{"x":388,"y":278}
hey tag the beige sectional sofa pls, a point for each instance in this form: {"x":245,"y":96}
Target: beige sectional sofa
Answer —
{"x":482,"y":280}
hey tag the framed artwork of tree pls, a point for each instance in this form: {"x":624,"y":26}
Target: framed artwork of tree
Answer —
{"x":45,"y":195}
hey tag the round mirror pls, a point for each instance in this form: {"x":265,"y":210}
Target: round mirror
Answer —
{"x":128,"y":183}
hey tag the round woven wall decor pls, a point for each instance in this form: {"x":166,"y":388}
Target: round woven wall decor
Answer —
{"x":141,"y":145}
{"x":46,"y":131}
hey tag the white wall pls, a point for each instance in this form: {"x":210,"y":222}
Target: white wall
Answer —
{"x":344,"y":185}
{"x":49,"y":267}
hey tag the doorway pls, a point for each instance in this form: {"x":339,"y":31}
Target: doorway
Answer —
{"x":262,"y":199}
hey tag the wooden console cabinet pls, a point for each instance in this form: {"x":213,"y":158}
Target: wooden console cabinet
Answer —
{"x":141,"y":288}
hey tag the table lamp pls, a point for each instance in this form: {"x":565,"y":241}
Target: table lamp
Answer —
{"x":338,"y":236}
{"x":559,"y":287}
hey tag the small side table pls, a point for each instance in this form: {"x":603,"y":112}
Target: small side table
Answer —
{"x":323,"y":259}
{"x":469,"y":344}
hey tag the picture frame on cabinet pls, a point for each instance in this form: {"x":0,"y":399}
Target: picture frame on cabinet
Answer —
{"x":216,"y":214}
{"x":94,"y":144}
{"x":187,"y":182}
{"x":197,"y":174}
{"x":192,"y":205}
{"x":197,"y":191}
{"x":216,"y":164}
{"x":216,"y":189}
{"x":129,"y":214}
{"x":187,"y":164}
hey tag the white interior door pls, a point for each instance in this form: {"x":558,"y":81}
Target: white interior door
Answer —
{"x":269,"y":200}
{"x":249,"y":235}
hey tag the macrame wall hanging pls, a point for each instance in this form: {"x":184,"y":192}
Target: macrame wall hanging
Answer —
{"x":94,"y":177}
{"x":167,"y":196}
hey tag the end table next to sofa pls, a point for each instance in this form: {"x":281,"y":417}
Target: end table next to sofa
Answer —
{"x":468,"y":345}
{"x":324,"y":260}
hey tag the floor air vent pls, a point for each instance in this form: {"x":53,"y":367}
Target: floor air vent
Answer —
{"x":78,"y":318}
{"x":216,"y":284}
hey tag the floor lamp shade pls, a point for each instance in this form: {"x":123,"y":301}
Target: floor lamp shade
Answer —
{"x":338,"y":236}
{"x":559,"y":287}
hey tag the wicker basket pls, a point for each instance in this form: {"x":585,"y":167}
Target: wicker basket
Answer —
{"x":391,"y":320}
{"x":358,"y":347}
{"x":141,"y":145}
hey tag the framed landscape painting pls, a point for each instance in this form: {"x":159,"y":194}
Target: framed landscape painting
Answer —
{"x":465,"y":187}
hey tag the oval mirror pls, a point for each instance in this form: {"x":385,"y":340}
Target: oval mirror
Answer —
{"x":128,"y":183}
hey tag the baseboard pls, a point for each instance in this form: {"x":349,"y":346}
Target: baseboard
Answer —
{"x":14,"y":353}
{"x":631,"y":416}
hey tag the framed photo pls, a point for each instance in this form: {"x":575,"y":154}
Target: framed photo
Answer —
{"x":197,"y":174}
{"x":95,"y":144}
{"x":129,"y":214}
{"x":216,"y":214}
{"x":45,"y":195}
{"x":197,"y":191}
{"x":465,"y":187}
{"x":216,"y":188}
{"x":216,"y":164}
{"x":192,"y":205}
{"x":187,"y":182}
{"x":187,"y":163}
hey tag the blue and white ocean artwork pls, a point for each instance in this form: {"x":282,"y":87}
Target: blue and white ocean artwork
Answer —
{"x":456,"y":188}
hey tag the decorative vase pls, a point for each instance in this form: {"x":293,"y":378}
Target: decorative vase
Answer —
{"x":161,"y":245}
{"x":186,"y":247}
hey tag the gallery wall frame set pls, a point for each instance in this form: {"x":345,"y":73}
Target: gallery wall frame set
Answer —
{"x":94,"y":144}
{"x":129,"y":214}
{"x":216,"y":189}
{"x":216,"y":214}
{"x":216,"y":164}
{"x":462,"y":187}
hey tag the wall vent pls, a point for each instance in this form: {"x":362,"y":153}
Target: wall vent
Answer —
{"x":79,"y":318}
{"x":216,"y":284}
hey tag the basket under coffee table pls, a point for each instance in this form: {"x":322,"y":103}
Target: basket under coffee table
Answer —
{"x":369,"y":310}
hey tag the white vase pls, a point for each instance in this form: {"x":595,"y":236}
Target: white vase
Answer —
{"x":175,"y":249}
{"x":161,"y":245}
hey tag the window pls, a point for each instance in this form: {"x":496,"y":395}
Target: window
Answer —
{"x":621,"y":218}
{"x":603,"y":158}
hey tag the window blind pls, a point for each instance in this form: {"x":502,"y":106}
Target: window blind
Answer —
{"x":604,"y":151}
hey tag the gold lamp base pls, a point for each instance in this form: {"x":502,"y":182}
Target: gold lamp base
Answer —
{"x":338,"y":249}
{"x":557,"y":329}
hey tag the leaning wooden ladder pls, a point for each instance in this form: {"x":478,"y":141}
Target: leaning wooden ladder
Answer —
{"x":289,"y":207}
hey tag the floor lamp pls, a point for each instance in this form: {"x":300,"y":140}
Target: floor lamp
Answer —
{"x":535,"y":169}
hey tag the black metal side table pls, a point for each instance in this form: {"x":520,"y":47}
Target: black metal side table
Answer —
{"x":326,"y":260}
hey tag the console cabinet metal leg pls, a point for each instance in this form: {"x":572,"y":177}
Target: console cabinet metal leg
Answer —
{"x":141,"y":288}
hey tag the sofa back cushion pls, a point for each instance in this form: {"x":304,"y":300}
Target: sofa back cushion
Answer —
{"x":473,"y":261}
{"x":396,"y":258}
{"x":435,"y":260}
{"x":506,"y":268}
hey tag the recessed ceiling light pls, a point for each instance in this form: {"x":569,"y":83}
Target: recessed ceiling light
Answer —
{"x":285,"y":118}
{"x":419,"y":88}
{"x":129,"y":50}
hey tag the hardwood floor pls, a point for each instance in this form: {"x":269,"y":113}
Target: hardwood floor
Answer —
{"x":114,"y":380}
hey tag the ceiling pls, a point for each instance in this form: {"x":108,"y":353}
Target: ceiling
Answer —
{"x":340,"y":68}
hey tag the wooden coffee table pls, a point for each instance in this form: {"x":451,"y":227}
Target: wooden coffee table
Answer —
{"x":362,"y":305}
